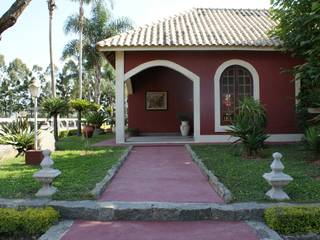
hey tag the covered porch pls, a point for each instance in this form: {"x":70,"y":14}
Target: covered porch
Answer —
{"x":181,"y":90}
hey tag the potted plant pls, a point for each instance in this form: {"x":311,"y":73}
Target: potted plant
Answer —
{"x":95,"y":119}
{"x":20,"y":135}
{"x":88,"y":130}
{"x":184,"y":126}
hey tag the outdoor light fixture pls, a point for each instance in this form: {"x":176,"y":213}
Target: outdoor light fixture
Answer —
{"x":34,"y":89}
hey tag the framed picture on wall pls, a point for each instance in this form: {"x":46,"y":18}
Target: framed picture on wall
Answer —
{"x":156,"y":101}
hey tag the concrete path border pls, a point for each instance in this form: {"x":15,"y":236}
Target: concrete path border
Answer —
{"x":218,"y":186}
{"x":101,"y":186}
{"x":263,"y":231}
{"x":57,"y":231}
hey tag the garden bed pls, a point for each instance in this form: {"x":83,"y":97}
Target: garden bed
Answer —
{"x":82,"y":166}
{"x":243,"y":177}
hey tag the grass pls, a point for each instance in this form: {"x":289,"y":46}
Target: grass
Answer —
{"x":81,"y":166}
{"x":80,"y":143}
{"x":244,"y":177}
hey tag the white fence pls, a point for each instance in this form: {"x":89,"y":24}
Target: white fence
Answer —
{"x":65,"y":124}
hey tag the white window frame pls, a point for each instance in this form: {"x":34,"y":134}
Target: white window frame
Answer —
{"x":217,"y":108}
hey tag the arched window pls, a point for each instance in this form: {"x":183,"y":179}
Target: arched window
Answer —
{"x":236,"y":83}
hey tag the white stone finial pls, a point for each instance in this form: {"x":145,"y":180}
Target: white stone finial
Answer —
{"x":46,"y":176}
{"x":277,"y":156}
{"x":277,"y":179}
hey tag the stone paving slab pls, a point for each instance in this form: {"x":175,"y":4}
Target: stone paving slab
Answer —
{"x":205,"y":230}
{"x":162,"y":174}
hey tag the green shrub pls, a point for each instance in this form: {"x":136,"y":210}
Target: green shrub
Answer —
{"x":312,"y":138}
{"x":68,"y":133}
{"x":293,"y":220}
{"x":30,"y":222}
{"x":249,"y":125}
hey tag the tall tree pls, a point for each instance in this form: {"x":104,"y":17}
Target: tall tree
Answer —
{"x":14,"y":94}
{"x":299,"y":30}
{"x":81,"y":15}
{"x":51,"y":8}
{"x":99,"y":26}
{"x":10,"y":17}
{"x":67,"y":82}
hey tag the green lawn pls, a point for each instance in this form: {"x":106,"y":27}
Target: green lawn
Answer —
{"x":244,"y":177}
{"x":82,"y":167}
{"x":80,"y":143}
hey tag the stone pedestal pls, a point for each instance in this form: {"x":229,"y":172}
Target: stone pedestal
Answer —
{"x":277,"y":179}
{"x":46,"y":176}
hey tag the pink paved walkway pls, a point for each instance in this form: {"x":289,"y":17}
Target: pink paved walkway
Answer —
{"x":161,"y":174}
{"x":205,"y":230}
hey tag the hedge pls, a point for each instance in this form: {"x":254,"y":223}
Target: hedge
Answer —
{"x":30,"y":222}
{"x":293,"y":220}
{"x":68,"y":133}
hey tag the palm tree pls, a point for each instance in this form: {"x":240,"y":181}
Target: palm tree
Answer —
{"x":51,"y":8}
{"x":99,"y":26}
{"x":81,"y":15}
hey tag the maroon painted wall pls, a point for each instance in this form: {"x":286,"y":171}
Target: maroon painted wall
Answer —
{"x":180,"y":99}
{"x":277,"y":90}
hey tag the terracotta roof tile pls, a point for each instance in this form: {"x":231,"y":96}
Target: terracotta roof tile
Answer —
{"x":202,"y":27}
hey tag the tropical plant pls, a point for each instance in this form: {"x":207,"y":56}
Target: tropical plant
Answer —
{"x":111,"y":116}
{"x":96,"y":118}
{"x":80,"y":105}
{"x":19,"y":134}
{"x":312,"y":139}
{"x":99,"y":26}
{"x":53,"y":107}
{"x":249,"y":125}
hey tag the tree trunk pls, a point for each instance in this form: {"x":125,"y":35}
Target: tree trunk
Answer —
{"x":51,"y":7}
{"x":97,"y":85}
{"x":80,"y":50}
{"x":79,"y":123}
{"x":55,"y":128}
{"x":10,"y":17}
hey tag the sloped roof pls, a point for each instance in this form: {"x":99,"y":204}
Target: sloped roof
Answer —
{"x":201,"y":27}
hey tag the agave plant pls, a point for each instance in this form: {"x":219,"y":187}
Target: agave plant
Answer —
{"x":96,"y":118}
{"x":19,"y":134}
{"x":249,"y":126}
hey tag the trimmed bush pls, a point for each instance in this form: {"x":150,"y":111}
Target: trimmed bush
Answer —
{"x":68,"y":133}
{"x":293,"y":220}
{"x":29,"y":222}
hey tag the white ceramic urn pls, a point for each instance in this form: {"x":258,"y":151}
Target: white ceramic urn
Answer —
{"x":184,"y":128}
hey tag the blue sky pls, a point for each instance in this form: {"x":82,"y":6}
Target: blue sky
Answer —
{"x":28,"y":39}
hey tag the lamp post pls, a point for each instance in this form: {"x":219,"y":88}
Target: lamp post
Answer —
{"x":34,"y":89}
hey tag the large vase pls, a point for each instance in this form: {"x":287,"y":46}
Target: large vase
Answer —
{"x":184,"y":128}
{"x":88,"y":131}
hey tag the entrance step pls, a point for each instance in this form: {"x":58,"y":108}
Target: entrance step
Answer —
{"x":158,"y":211}
{"x":206,"y":230}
